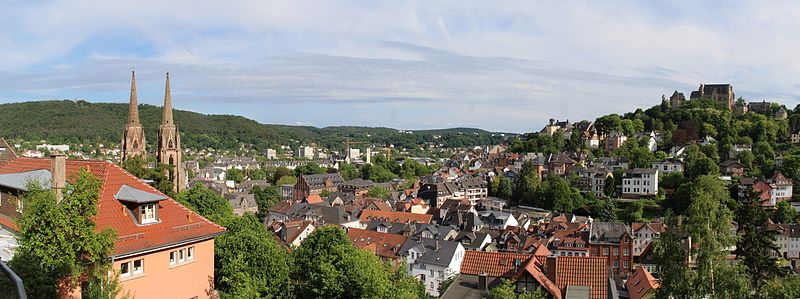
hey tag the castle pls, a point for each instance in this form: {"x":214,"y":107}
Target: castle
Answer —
{"x":168,"y":143}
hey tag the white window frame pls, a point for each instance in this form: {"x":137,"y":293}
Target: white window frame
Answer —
{"x":173,"y":257}
{"x":123,"y":273}
{"x":141,"y":266}
{"x":190,"y":253}
{"x":148,"y":213}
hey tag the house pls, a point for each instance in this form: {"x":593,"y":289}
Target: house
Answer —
{"x":493,"y":203}
{"x":612,"y":241}
{"x":593,"y":179}
{"x":473,"y":240}
{"x":293,"y":233}
{"x":677,"y":99}
{"x":639,"y":183}
{"x":795,"y":137}
{"x":570,"y":271}
{"x":641,"y":285}
{"x":732,"y":168}
{"x":385,"y":246}
{"x":559,"y":164}
{"x":475,"y":188}
{"x":497,"y":219}
{"x":669,"y":166}
{"x":242,"y":203}
{"x":402,"y":217}
{"x":358,"y":186}
{"x":314,"y":184}
{"x":781,"y":188}
{"x":645,"y":234}
{"x":614,"y":140}
{"x":483,"y":271}
{"x":162,"y":248}
{"x":432,"y":261}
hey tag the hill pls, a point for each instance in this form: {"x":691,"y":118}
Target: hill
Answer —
{"x":80,"y":121}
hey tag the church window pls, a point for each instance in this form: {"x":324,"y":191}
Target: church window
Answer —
{"x":171,"y":161}
{"x":170,"y":143}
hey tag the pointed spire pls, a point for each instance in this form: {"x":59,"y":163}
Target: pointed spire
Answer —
{"x":133,"y":108}
{"x":167,"y":105}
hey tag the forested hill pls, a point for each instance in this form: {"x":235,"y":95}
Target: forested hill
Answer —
{"x":80,"y":121}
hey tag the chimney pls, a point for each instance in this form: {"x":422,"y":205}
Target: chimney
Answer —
{"x":59,"y":174}
{"x":482,"y":281}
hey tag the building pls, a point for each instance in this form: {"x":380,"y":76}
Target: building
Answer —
{"x":357,"y":186}
{"x":313,"y":184}
{"x":720,"y":93}
{"x":732,"y":168}
{"x":677,"y":99}
{"x":483,"y":271}
{"x":614,"y":140}
{"x":385,"y":246}
{"x":641,"y":285}
{"x":271,"y":154}
{"x":640,"y":182}
{"x":612,"y":241}
{"x":162,"y":249}
{"x":669,"y":166}
{"x":781,"y":188}
{"x":168,"y":145}
{"x":306,"y":152}
{"x":432,"y":261}
{"x":133,"y":142}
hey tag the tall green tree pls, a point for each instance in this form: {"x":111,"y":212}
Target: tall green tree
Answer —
{"x":527,"y":183}
{"x":249,"y":263}
{"x":756,"y":244}
{"x":671,"y":258}
{"x":58,"y":240}
{"x":207,"y":203}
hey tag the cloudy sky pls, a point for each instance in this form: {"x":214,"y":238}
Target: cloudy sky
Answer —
{"x":502,"y":66}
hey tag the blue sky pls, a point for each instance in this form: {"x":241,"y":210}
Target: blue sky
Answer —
{"x":501,"y":66}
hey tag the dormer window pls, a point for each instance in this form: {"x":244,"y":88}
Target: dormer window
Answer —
{"x":148,"y":214}
{"x":142,"y":205}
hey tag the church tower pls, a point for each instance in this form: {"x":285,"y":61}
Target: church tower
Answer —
{"x":133,"y":143}
{"x":168,"y":147}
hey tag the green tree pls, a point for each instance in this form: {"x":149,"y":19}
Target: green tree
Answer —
{"x":349,"y":172}
{"x":207,"y":203}
{"x":605,"y":210}
{"x":58,"y":242}
{"x":504,"y":187}
{"x":281,"y":172}
{"x":159,"y":175}
{"x":235,"y":175}
{"x":671,"y":258}
{"x":633,"y":212}
{"x":506,"y":290}
{"x":266,"y":198}
{"x":698,"y":164}
{"x":379,"y":192}
{"x":249,"y":263}
{"x":784,"y":213}
{"x":527,"y":183}
{"x":757,"y":242}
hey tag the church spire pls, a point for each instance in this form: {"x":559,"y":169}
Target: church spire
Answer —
{"x":133,"y":108}
{"x":167,"y":105}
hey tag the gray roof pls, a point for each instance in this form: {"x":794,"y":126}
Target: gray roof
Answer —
{"x":316,"y":181}
{"x":20,"y":180}
{"x":578,"y":292}
{"x":607,"y":232}
{"x":130,"y":194}
{"x":430,"y":255}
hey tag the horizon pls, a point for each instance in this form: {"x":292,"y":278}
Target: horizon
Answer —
{"x":409,"y":66}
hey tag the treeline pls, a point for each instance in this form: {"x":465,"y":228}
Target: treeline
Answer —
{"x":74,"y":122}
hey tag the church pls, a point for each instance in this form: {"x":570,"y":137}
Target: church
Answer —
{"x":168,"y":143}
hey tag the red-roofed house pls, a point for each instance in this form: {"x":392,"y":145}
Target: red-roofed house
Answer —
{"x":641,"y":285}
{"x":489,"y":268}
{"x":162,"y":250}
{"x":591,"y":272}
{"x":386,"y":246}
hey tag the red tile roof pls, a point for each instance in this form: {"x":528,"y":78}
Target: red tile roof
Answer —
{"x":314,"y":198}
{"x":494,"y":264}
{"x":641,"y":283}
{"x":177,"y":223}
{"x":382,"y":244}
{"x":533,"y":268}
{"x":403,"y":217}
{"x":581,"y":271}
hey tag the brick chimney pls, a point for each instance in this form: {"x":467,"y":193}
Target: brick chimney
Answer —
{"x":59,"y":174}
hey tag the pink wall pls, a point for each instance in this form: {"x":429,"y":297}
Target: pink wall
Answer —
{"x":162,"y":280}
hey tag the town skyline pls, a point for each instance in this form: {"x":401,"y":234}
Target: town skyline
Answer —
{"x":401,"y":66}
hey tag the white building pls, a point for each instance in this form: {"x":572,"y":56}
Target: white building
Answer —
{"x":640,"y":182}
{"x":668,"y":166}
{"x":432,"y":261}
{"x":272,"y":154}
{"x":305,"y":152}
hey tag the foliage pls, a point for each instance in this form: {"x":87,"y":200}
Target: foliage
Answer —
{"x":309,"y":168}
{"x":327,"y":265}
{"x":782,"y":287}
{"x":634,"y":212}
{"x":377,"y":173}
{"x":249,"y":263}
{"x":670,"y":258}
{"x":784,"y":213}
{"x":137,"y":166}
{"x":286,"y":180}
{"x":605,"y":210}
{"x":506,"y":290}
{"x":527,"y":184}
{"x":349,"y":171}
{"x":757,"y":242}
{"x":207,"y":203}
{"x":266,"y":198}
{"x":234,"y":175}
{"x":557,"y":194}
{"x":58,"y":241}
{"x":379,"y":192}
{"x":504,"y":187}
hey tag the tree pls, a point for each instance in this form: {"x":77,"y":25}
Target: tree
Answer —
{"x":527,"y":183}
{"x":280,"y":173}
{"x":671,"y":261}
{"x":159,"y":175}
{"x":58,"y":242}
{"x":249,"y":263}
{"x":698,"y":164}
{"x":286,"y":180}
{"x":506,"y":290}
{"x":605,"y":210}
{"x":266,"y":198}
{"x":556,"y":193}
{"x":784,"y":213}
{"x":309,"y":168}
{"x":349,"y":172}
{"x":634,"y":211}
{"x":756,"y":244}
{"x":328,"y":266}
{"x":207,"y":203}
{"x":379,"y":192}
{"x":504,"y":187}
{"x":235,"y":175}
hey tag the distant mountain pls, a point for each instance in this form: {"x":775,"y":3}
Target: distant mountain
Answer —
{"x":80,"y":121}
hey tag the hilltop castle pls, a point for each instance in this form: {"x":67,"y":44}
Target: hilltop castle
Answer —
{"x":168,"y":145}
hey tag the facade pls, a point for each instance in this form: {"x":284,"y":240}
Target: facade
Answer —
{"x":133,"y":142}
{"x":614,"y":140}
{"x":720,"y":93}
{"x":168,"y":146}
{"x":612,"y":240}
{"x":432,"y":261}
{"x":640,"y":182}
{"x":677,"y":99}
{"x":781,"y":188}
{"x":313,"y":184}
{"x":668,"y":166}
{"x":162,"y":250}
{"x":306,"y":152}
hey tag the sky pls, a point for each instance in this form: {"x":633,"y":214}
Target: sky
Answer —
{"x":497,"y":65}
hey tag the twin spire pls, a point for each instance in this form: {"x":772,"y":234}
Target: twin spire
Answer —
{"x":133,"y":108}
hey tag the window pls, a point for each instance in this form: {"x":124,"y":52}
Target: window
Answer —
{"x":625,"y":264}
{"x":616,"y":264}
{"x":605,"y":251}
{"x":172,"y":259}
{"x":125,"y":269}
{"x":627,"y":252}
{"x":616,"y":251}
{"x":20,"y":205}
{"x":180,"y":255}
{"x":148,"y":213}
{"x":190,"y":253}
{"x":431,"y":273}
{"x":138,"y":266}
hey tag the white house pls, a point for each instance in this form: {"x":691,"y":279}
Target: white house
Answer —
{"x":668,"y":166}
{"x":640,"y":182}
{"x":644,"y":234}
{"x":497,"y":219}
{"x":432,"y":261}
